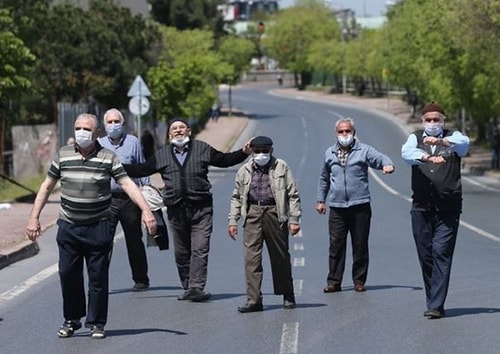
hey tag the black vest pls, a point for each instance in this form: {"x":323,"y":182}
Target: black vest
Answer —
{"x":437,"y":186}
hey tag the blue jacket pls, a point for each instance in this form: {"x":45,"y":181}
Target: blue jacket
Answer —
{"x":344,"y":186}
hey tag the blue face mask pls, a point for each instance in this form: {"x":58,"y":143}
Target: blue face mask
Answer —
{"x":114,"y":131}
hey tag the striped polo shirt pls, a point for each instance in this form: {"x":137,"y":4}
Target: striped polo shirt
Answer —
{"x":85,"y":183}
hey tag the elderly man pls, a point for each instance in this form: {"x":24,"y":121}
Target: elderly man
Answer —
{"x":129,"y":151}
{"x":343,"y":187}
{"x":267,"y":200}
{"x":183,"y":165}
{"x":85,"y":170}
{"x":434,"y":154}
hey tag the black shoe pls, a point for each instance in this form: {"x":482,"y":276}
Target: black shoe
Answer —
{"x":251,"y":308}
{"x":289,"y":301}
{"x":198,"y":295}
{"x":140,"y":287}
{"x":68,"y":328}
{"x":97,"y":332}
{"x":185,"y":295}
{"x":433,"y":314}
{"x":193,"y":294}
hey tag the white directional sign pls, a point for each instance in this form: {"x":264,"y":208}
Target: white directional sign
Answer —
{"x":138,"y":88}
{"x":138,"y":105}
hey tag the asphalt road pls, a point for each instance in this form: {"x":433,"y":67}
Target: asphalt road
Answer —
{"x":385,"y":319}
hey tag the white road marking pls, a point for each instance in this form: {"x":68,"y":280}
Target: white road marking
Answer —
{"x":298,"y":246}
{"x":471,"y":227}
{"x":25,"y":285}
{"x":36,"y":279}
{"x":299,"y":261}
{"x":297,"y":286}
{"x":289,"y":338}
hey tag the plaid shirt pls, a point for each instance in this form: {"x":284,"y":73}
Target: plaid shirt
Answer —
{"x":342,"y":154}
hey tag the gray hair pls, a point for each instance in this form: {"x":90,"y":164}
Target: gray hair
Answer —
{"x":113,"y":111}
{"x":346,"y":120}
{"x":92,"y":117}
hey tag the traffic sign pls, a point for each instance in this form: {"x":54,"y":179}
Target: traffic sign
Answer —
{"x":138,"y":88}
{"x":138,"y":105}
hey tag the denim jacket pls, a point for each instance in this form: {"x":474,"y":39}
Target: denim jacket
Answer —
{"x":345,"y":186}
{"x":283,"y":187}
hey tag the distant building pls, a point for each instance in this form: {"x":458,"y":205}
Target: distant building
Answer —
{"x":371,"y":22}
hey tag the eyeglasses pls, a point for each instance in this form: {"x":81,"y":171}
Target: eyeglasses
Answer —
{"x":347,"y":131}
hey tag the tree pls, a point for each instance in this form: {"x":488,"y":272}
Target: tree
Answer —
{"x":16,"y":61}
{"x":183,"y":81}
{"x":237,"y":52}
{"x":294,"y":31}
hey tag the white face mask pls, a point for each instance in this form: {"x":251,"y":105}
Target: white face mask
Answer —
{"x":180,"y":141}
{"x":345,"y":140}
{"x":114,"y":131}
{"x":83,"y":138}
{"x":433,"y":129}
{"x":262,"y":159}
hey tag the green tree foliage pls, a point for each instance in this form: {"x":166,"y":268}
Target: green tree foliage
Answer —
{"x":188,"y":14}
{"x":295,"y":30}
{"x":91,"y":55}
{"x":15,"y":59}
{"x":183,"y":81}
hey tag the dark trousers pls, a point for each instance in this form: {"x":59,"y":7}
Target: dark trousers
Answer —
{"x":124,"y":210}
{"x":261,"y":226}
{"x":91,"y":243}
{"x":356,"y":221}
{"x":191,"y":228}
{"x":435,"y":235}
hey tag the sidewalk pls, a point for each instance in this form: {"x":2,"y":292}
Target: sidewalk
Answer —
{"x":15,"y":246}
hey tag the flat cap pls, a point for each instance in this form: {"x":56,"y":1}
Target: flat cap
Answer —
{"x":261,"y":141}
{"x":432,"y":107}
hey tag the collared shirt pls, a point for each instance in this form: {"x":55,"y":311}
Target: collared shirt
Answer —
{"x":342,"y":154}
{"x":181,"y":154}
{"x":260,"y":186}
{"x":85,"y":183}
{"x":411,"y":154}
{"x":128,"y":151}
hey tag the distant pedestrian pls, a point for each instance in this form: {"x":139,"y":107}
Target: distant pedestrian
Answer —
{"x":434,"y":154}
{"x":215,"y":111}
{"x":494,"y":142}
{"x":84,"y":234}
{"x":267,"y":200}
{"x":280,"y":80}
{"x":70,"y":141}
{"x":343,"y":188}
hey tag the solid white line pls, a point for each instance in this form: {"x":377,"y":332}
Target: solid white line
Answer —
{"x":299,"y":261}
{"x":471,"y":227}
{"x":36,"y":279}
{"x":25,"y":285}
{"x":289,"y":338}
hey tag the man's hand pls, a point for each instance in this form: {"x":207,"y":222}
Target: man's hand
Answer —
{"x":232,"y":230}
{"x":246,"y":148}
{"x":320,"y":207}
{"x":149,"y":221}
{"x":432,"y":140}
{"x":33,"y":229}
{"x":387,"y":169}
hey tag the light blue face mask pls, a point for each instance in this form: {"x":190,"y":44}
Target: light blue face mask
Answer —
{"x":114,"y":131}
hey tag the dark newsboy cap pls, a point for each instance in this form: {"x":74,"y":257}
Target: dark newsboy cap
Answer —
{"x":261,"y":141}
{"x":432,"y":107}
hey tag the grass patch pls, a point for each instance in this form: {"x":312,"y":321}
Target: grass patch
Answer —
{"x":10,"y":192}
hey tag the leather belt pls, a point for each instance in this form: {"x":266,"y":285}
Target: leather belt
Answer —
{"x":262,"y":202}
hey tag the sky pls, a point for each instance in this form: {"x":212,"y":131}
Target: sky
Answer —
{"x":361,"y":7}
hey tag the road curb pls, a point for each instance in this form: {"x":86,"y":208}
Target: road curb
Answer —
{"x":19,"y":252}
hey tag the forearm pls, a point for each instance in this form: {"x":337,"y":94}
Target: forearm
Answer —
{"x":42,"y":196}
